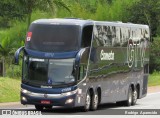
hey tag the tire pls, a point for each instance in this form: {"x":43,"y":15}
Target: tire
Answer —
{"x":134,"y":96}
{"x":94,"y":101}
{"x":39,"y":107}
{"x":128,"y":102}
{"x":87,"y":102}
{"x":48,"y":107}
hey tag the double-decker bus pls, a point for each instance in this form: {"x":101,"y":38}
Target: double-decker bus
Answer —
{"x":84,"y":63}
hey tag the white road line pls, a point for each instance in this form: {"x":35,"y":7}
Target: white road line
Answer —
{"x":71,"y":116}
{"x":147,"y":107}
{"x":26,"y":108}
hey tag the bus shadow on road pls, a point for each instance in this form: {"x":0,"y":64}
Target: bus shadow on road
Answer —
{"x":78,"y":110}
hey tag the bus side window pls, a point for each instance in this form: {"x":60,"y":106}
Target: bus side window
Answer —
{"x":82,"y":72}
{"x":86,"y":36}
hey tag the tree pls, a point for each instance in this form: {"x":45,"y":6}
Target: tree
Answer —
{"x":30,"y":5}
{"x":10,"y":40}
{"x":20,"y":9}
{"x":146,"y":12}
{"x":155,"y":56}
{"x":7,"y":49}
{"x":9,"y":10}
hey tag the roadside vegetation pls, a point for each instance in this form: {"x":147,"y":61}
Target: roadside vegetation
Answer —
{"x":9,"y":89}
{"x":154,"y":79}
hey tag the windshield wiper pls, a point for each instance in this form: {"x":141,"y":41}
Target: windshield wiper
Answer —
{"x":62,"y":82}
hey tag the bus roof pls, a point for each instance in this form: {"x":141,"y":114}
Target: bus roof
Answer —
{"x":80,"y":22}
{"x":64,"y":21}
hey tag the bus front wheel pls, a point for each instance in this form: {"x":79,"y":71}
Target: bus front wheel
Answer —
{"x":48,"y":107}
{"x":87,"y":102}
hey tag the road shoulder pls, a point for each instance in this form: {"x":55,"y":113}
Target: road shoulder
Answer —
{"x":153,"y":89}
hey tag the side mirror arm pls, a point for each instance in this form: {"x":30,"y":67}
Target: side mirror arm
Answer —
{"x":16,"y":55}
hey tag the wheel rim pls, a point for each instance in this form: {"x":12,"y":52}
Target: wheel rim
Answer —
{"x":88,"y":100}
{"x":95,"y":101}
{"x":134,"y":96}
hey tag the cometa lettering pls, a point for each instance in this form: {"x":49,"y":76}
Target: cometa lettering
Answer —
{"x":106,"y":56}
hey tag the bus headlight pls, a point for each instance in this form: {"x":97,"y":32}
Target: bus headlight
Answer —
{"x":69,"y":93}
{"x":25,"y":91}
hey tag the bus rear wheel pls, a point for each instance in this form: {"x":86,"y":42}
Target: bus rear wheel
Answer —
{"x":94,"y":101}
{"x":39,"y":107}
{"x":134,"y":96}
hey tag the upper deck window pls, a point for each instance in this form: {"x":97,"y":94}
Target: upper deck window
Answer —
{"x":53,"y":38}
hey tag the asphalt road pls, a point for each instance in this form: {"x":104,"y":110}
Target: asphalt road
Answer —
{"x":150,"y":102}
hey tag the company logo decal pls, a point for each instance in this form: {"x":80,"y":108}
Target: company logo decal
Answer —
{"x":66,"y":89}
{"x":106,"y":55}
{"x":46,"y":86}
{"x":49,"y":81}
{"x":136,"y":52}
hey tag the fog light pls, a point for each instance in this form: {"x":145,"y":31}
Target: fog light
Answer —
{"x":69,"y":101}
{"x":24,"y":99}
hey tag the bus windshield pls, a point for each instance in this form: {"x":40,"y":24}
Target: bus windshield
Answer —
{"x":53,"y":38}
{"x":48,"y":71}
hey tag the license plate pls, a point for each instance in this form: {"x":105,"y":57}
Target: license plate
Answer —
{"x":45,"y":102}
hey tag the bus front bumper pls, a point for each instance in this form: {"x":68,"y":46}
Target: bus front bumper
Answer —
{"x":66,"y":99}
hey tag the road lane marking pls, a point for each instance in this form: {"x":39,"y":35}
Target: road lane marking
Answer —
{"x":27,"y":108}
{"x":71,"y":116}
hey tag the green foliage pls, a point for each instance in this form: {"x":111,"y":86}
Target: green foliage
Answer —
{"x":12,"y":38}
{"x":79,"y":12}
{"x":9,"y":10}
{"x":101,"y":12}
{"x":40,"y":15}
{"x":111,"y":10}
{"x":146,"y":12}
{"x":14,"y":71}
{"x":154,"y":79}
{"x":43,"y":5}
{"x":155,"y":55}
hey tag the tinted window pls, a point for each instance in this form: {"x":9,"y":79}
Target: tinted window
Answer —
{"x":52,"y":38}
{"x":61,"y":71}
{"x":38,"y":70}
{"x":48,"y":71}
{"x":87,"y":36}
